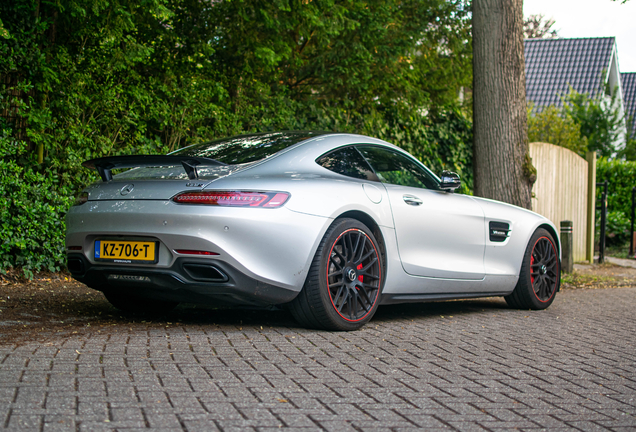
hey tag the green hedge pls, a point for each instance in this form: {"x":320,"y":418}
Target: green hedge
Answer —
{"x":35,"y":198}
{"x":621,"y":178}
{"x":33,"y":203}
{"x":85,"y":79}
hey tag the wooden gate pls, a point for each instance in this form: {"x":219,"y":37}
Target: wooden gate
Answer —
{"x":560,"y":192}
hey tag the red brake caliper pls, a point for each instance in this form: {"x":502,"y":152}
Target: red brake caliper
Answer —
{"x":359,"y":268}
{"x":531,"y":264}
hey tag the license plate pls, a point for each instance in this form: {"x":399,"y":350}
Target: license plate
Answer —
{"x":126,"y":251}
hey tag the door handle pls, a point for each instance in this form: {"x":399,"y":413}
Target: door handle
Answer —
{"x":411,"y":200}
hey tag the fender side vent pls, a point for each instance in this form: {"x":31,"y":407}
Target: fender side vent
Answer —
{"x":499,"y":231}
{"x":205,"y":273}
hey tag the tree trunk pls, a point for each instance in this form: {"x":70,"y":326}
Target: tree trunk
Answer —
{"x":503,"y":168}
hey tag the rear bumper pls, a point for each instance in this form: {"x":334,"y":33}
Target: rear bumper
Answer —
{"x":188,"y":280}
{"x":274,"y":246}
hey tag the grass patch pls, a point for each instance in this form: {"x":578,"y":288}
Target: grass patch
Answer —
{"x":578,"y":280}
{"x":618,"y":251}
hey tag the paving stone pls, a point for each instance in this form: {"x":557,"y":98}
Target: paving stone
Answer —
{"x":59,"y":423}
{"x":464,"y":366}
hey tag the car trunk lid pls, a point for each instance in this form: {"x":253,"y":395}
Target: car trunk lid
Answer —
{"x":157,"y":183}
{"x":141,"y":189}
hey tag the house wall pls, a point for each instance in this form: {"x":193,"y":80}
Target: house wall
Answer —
{"x":613,"y":80}
{"x":560,"y":192}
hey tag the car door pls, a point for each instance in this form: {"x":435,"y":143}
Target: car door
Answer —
{"x":439,"y":234}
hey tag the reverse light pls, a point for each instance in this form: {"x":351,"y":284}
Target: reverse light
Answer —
{"x":233,"y":198}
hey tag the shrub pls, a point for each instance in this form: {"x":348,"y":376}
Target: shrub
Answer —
{"x":32,"y":209}
{"x":81,"y":79}
{"x":618,"y":226}
{"x":552,"y":125}
{"x":599,"y":118}
{"x":621,"y":178}
{"x":584,"y":123}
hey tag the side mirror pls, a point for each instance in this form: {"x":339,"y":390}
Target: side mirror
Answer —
{"x":450,"y":181}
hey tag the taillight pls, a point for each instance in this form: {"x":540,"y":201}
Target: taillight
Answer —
{"x":233,"y":198}
{"x":81,"y":198}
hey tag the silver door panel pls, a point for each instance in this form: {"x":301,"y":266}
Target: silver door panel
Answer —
{"x":439,"y":234}
{"x":399,"y":282}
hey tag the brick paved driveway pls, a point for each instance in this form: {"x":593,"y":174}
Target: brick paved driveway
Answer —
{"x":465,"y":365}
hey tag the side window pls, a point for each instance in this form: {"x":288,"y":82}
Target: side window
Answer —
{"x":395,"y":168}
{"x":347,"y":161}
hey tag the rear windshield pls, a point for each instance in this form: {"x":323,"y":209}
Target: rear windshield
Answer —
{"x":236,"y":152}
{"x":246,"y":148}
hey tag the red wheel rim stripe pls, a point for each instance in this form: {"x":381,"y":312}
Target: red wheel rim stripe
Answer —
{"x":379,"y":275}
{"x":532,"y":261}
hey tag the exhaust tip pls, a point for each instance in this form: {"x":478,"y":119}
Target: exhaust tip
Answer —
{"x":205,"y":273}
{"x":75,"y":265}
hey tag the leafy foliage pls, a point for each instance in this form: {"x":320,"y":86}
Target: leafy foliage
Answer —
{"x":629,"y":151}
{"x":443,"y":141}
{"x":31,"y":214}
{"x":538,"y":26}
{"x":584,"y":123}
{"x":621,"y":178}
{"x":552,"y":125}
{"x":617,"y":229}
{"x":351,"y":54}
{"x":89,"y":78}
{"x":600,"y":120}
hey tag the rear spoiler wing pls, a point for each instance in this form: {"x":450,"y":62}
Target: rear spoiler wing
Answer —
{"x":105,"y":165}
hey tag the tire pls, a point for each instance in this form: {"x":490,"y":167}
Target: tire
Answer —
{"x":540,"y":275}
{"x":135,"y":305}
{"x":344,"y":283}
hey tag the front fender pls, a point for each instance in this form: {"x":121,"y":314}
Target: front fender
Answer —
{"x":505,"y":258}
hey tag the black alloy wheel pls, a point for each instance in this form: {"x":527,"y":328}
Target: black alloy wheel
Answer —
{"x":540,"y":275}
{"x":344,"y":283}
{"x":353,"y":275}
{"x":543,"y":269}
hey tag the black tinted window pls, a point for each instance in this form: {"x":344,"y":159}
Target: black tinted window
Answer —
{"x":395,"y":168}
{"x":347,"y":161}
{"x":246,"y":148}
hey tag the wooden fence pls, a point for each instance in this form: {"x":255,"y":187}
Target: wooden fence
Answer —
{"x":561,"y":190}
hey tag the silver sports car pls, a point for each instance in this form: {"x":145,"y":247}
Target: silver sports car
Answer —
{"x":329,"y":225}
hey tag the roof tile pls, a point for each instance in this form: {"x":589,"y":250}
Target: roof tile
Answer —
{"x":628,"y":82}
{"x":555,"y":65}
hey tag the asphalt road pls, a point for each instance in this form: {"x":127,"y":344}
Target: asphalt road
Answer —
{"x":461,"y":365}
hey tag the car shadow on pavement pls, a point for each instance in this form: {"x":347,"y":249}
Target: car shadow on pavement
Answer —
{"x":411,"y":311}
{"x":43,"y":309}
{"x":279,"y":317}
